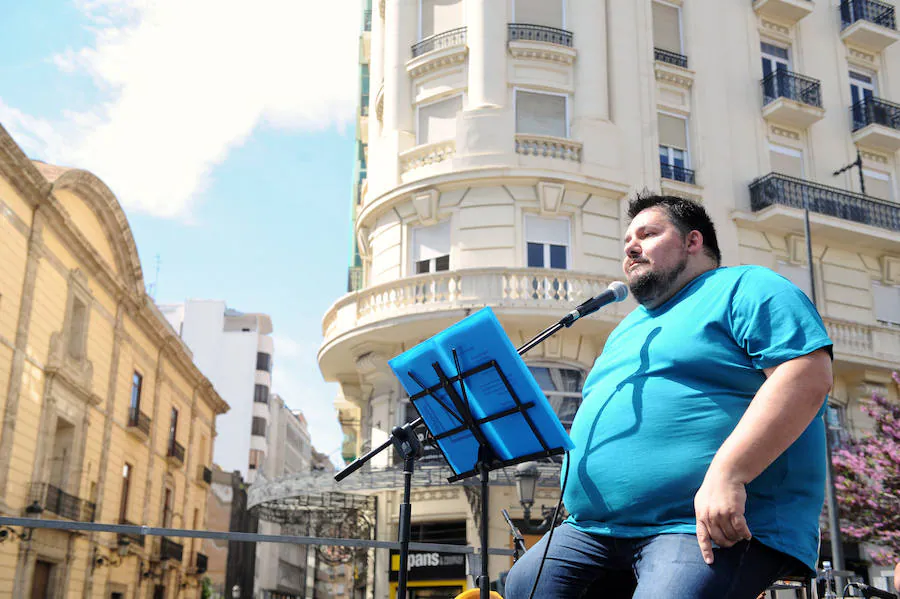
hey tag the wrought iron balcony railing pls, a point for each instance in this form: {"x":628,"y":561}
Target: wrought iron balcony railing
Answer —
{"x":875,"y":111}
{"x":788,"y":191}
{"x":132,"y":538}
{"x":138,"y":420}
{"x":170,"y":550}
{"x":678,"y":60}
{"x":55,"y":500}
{"x":786,"y":84}
{"x":539,"y":33}
{"x":206,"y":475}
{"x":446,"y":39}
{"x":176,"y":452}
{"x":677,"y":173}
{"x":873,"y":11}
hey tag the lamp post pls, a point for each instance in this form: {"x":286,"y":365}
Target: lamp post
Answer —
{"x":527,"y":475}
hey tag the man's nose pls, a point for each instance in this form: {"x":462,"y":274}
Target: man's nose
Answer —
{"x":633,"y":249}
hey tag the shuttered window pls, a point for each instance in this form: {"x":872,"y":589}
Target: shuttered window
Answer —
{"x":431,"y":248}
{"x":546,"y":242}
{"x":786,"y":161}
{"x":541,"y":114}
{"x":539,"y":12}
{"x":438,"y":16}
{"x":878,"y":184}
{"x":437,"y":121}
{"x":667,"y":27}
{"x":672,"y":131}
{"x":886,"y":302}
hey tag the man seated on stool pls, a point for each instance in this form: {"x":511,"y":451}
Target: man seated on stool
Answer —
{"x":699,"y":460}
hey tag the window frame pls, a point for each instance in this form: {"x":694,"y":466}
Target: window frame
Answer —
{"x":546,"y":244}
{"x":127,"y":470}
{"x":432,"y":262}
{"x":565,"y":21}
{"x":687,"y":138}
{"x":528,"y":90}
{"x":430,"y":102}
{"x":677,"y":7}
{"x":139,"y":384}
{"x":564,"y":366}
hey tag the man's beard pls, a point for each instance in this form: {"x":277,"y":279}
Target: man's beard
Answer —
{"x":648,"y":286}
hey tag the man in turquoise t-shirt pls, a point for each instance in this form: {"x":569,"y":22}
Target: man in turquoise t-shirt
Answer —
{"x":699,"y":460}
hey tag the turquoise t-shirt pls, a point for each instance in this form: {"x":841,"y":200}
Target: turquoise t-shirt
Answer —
{"x":668,"y":389}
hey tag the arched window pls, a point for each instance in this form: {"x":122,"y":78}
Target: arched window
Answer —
{"x":562,"y":385}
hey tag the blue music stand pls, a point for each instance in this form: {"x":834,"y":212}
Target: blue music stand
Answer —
{"x":480,"y":404}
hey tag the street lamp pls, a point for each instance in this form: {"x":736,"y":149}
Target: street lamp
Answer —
{"x":527,"y":475}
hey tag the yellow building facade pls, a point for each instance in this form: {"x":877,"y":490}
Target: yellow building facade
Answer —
{"x":105,"y":416}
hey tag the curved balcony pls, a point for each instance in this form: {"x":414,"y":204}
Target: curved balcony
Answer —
{"x":398,"y":308}
{"x":865,"y":344}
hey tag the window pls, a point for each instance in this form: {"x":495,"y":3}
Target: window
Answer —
{"x":547,"y":242}
{"x":77,"y":328}
{"x":137,"y":381}
{"x":431,"y":248}
{"x":438,"y":16}
{"x":836,"y":421}
{"x":798,"y":275}
{"x":878,"y":184}
{"x":261,"y":394}
{"x":258,"y":427}
{"x":786,"y":161}
{"x":549,"y":13}
{"x":256,"y":458}
{"x":673,"y":147}
{"x":886,"y":303}
{"x":540,"y":113}
{"x":173,"y":427}
{"x":168,"y":498}
{"x":667,"y":27}
{"x":862,"y":88}
{"x":775,"y":59}
{"x":263,"y":362}
{"x":562,"y":386}
{"x":126,"y":489}
{"x":437,"y":120}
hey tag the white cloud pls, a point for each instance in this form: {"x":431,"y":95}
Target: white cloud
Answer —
{"x":185,"y":81}
{"x":296,"y":378}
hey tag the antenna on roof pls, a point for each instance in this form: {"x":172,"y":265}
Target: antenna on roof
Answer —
{"x":151,"y":289}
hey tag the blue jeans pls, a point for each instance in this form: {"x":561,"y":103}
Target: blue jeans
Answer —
{"x":667,"y":566}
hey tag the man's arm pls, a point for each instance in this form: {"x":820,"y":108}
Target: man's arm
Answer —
{"x":779,"y":413}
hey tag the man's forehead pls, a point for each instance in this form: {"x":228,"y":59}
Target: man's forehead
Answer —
{"x":653,"y":215}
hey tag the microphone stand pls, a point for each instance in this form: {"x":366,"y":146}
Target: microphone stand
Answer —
{"x":408,"y":445}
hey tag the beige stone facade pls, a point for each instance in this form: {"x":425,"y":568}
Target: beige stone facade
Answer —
{"x":501,"y":140}
{"x":105,"y":416}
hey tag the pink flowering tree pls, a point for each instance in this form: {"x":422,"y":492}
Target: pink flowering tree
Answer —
{"x":867,"y":478}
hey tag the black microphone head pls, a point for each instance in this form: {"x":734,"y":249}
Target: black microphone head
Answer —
{"x":619,"y":289}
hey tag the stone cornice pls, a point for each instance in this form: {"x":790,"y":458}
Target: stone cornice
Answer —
{"x":24,"y":176}
{"x":670,"y":73}
{"x":437,"y":60}
{"x":542,"y":51}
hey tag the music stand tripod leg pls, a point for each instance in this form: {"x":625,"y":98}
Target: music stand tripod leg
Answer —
{"x":407,"y":444}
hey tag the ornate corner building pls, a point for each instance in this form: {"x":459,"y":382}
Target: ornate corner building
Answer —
{"x":502,"y":139}
{"x":105,"y":416}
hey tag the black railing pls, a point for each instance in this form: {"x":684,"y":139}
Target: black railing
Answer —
{"x":131,"y":539}
{"x":55,"y":500}
{"x":786,"y":84}
{"x":200,"y":564}
{"x":788,"y":191}
{"x":139,"y":420}
{"x":169,"y":549}
{"x":677,"y":173}
{"x":206,"y":475}
{"x":874,"y":111}
{"x":678,"y":60}
{"x":176,"y":451}
{"x":873,"y":11}
{"x":367,"y":20}
{"x":539,"y":33}
{"x":446,"y":39}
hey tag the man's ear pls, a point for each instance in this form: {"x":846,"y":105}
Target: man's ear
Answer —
{"x":694,"y":242}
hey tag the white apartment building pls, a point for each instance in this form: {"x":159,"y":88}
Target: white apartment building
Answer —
{"x":500,"y":144}
{"x":234,"y":350}
{"x":281,"y":568}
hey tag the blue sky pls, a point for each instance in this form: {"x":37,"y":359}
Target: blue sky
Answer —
{"x":225,"y":128}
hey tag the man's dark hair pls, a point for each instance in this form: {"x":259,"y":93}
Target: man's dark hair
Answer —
{"x":687,"y":215}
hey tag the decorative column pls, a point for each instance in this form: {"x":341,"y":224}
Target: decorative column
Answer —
{"x":400,"y":18}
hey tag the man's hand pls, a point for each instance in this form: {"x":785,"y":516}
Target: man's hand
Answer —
{"x":719,"y":506}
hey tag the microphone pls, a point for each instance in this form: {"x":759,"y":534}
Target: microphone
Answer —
{"x":616,"y":292}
